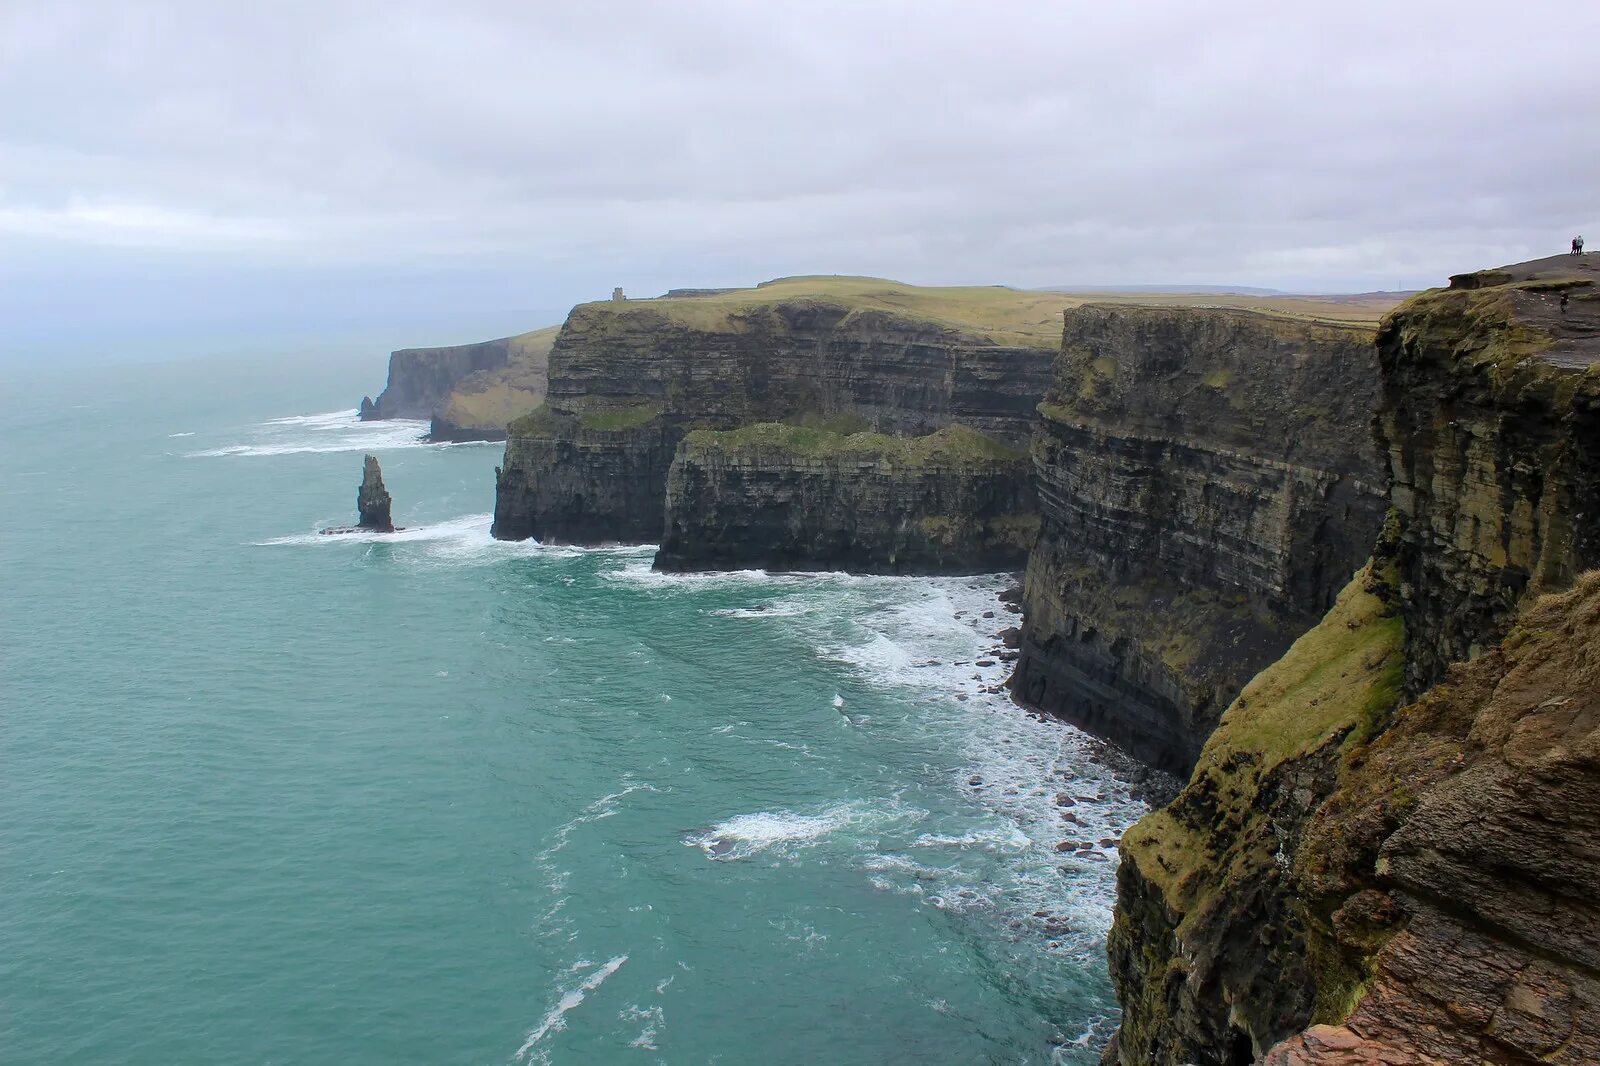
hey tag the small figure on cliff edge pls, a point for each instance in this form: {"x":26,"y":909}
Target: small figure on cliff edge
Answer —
{"x":1577,"y":245}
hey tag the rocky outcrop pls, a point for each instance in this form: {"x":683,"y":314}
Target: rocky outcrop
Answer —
{"x":468,"y":391}
{"x":482,"y":405}
{"x":421,"y":379}
{"x":594,"y":479}
{"x":1491,"y":419}
{"x":628,"y":381}
{"x":1346,"y":882}
{"x":1207,"y":483}
{"x":372,"y":499}
{"x":795,"y":498}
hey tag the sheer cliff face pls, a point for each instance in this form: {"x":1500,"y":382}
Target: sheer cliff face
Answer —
{"x":789,"y":498}
{"x":421,"y":379}
{"x":1344,"y":882}
{"x":1207,"y":482}
{"x":1492,"y":426}
{"x":629,"y":381}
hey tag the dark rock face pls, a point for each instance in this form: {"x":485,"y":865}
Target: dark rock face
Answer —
{"x":1492,"y":429}
{"x":1207,"y":482}
{"x":444,"y":430}
{"x":784,"y":498}
{"x":1345,"y":881}
{"x":628,"y":381}
{"x":421,"y":379}
{"x":566,"y":483}
{"x":372,"y":501}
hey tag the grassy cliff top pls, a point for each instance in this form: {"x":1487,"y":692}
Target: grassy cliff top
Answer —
{"x":993,"y":313}
{"x":952,"y":444}
{"x":1511,"y":316}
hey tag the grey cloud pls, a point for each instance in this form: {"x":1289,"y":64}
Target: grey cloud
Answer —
{"x":1302,"y":146}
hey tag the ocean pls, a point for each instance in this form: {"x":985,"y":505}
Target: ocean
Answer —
{"x":276,"y":797}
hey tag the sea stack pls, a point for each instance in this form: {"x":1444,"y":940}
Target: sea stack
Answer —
{"x":373,"y":500}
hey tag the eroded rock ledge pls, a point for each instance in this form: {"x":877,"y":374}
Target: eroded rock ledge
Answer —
{"x":795,"y":498}
{"x":1207,"y":482}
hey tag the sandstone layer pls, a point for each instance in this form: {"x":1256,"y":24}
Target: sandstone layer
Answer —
{"x":794,"y":498}
{"x":1207,"y":482}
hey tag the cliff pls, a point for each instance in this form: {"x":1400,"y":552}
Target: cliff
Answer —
{"x":470,"y":391}
{"x":482,"y":405}
{"x":796,"y":498}
{"x":1492,"y":429}
{"x":1207,"y":483}
{"x":1342,"y":881}
{"x":628,"y":380}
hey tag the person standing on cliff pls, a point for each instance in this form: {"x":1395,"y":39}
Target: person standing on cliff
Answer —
{"x":1577,"y":245}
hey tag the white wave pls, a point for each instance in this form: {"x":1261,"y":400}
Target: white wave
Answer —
{"x":653,"y":1017}
{"x":555,"y":1019}
{"x":188,"y":434}
{"x":751,"y":834}
{"x":786,"y":611}
{"x":604,"y":807}
{"x":330,"y":431}
{"x":455,"y":541}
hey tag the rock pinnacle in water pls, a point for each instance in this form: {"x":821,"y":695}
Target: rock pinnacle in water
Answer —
{"x":373,"y":500}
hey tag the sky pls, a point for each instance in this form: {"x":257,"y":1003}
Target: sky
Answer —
{"x":181,"y":177}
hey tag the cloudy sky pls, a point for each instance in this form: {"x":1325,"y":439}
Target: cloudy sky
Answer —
{"x":177,"y":174}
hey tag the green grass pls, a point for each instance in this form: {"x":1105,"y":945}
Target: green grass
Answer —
{"x":953,"y":444}
{"x":1331,"y":685}
{"x":620,"y":418}
{"x":993,"y":314}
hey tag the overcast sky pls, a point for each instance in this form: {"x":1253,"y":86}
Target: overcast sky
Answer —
{"x":180,"y":174}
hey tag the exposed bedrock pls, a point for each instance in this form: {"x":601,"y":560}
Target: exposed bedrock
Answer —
{"x":1345,"y":882}
{"x":792,"y":498}
{"x":372,"y":499}
{"x":1491,"y":421}
{"x":628,"y":381}
{"x":421,"y":379}
{"x":1207,"y":482}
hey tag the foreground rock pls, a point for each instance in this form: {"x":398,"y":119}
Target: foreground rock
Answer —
{"x":1207,"y":483}
{"x":1342,"y":881}
{"x":789,"y":498}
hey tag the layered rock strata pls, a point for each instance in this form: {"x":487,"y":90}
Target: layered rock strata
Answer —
{"x":420,"y":379}
{"x":1207,"y":483}
{"x":1343,"y":882}
{"x":1491,"y":421}
{"x":372,"y":499}
{"x":628,"y":381}
{"x":467,"y":391}
{"x":793,"y":498}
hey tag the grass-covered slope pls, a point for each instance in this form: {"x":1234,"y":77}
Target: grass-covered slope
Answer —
{"x":1200,"y":889}
{"x":484,"y":404}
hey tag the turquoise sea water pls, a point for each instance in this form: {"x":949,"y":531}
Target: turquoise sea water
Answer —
{"x":271,"y":797}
